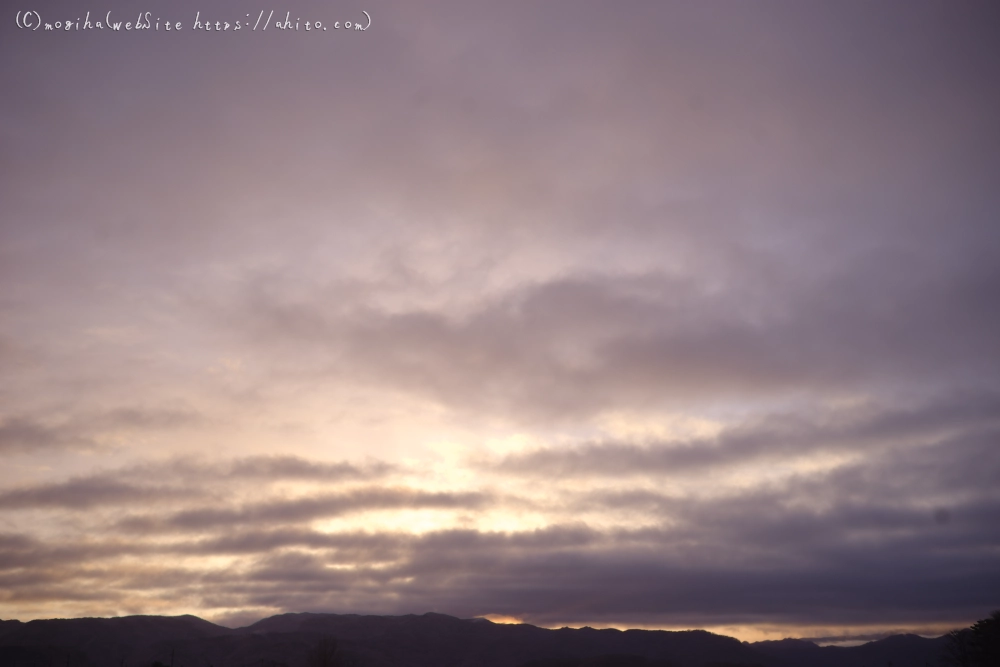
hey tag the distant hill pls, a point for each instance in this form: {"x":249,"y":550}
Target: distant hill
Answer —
{"x":428,"y":640}
{"x":898,"y":650}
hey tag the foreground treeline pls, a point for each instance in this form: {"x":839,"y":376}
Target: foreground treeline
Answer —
{"x":976,"y":646}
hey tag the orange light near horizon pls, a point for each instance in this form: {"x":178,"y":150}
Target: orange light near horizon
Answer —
{"x":502,"y":619}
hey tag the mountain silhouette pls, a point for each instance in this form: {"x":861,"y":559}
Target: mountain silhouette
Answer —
{"x":428,"y":640}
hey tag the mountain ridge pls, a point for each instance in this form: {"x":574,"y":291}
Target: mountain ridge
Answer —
{"x":412,"y":640}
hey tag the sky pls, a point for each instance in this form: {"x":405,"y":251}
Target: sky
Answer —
{"x":676,"y":314}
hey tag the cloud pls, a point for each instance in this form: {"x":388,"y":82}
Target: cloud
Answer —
{"x":573,"y":347}
{"x":854,"y":544}
{"x":183,"y":479}
{"x":84,"y":493}
{"x":866,"y":429}
{"x":293,"y":467}
{"x":147,"y":418}
{"x":88,"y":429}
{"x":296,"y":510}
{"x":19,"y":434}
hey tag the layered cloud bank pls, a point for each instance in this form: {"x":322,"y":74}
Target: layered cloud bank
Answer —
{"x":680,"y":316}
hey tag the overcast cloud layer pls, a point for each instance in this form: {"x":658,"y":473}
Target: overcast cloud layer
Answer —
{"x":676,"y":314}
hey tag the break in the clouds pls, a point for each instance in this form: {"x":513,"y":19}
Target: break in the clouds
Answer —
{"x":661,"y":315}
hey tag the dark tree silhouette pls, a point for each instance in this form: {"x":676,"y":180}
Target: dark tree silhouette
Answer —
{"x":958,"y":651}
{"x":986,"y":641}
{"x":978,"y":646}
